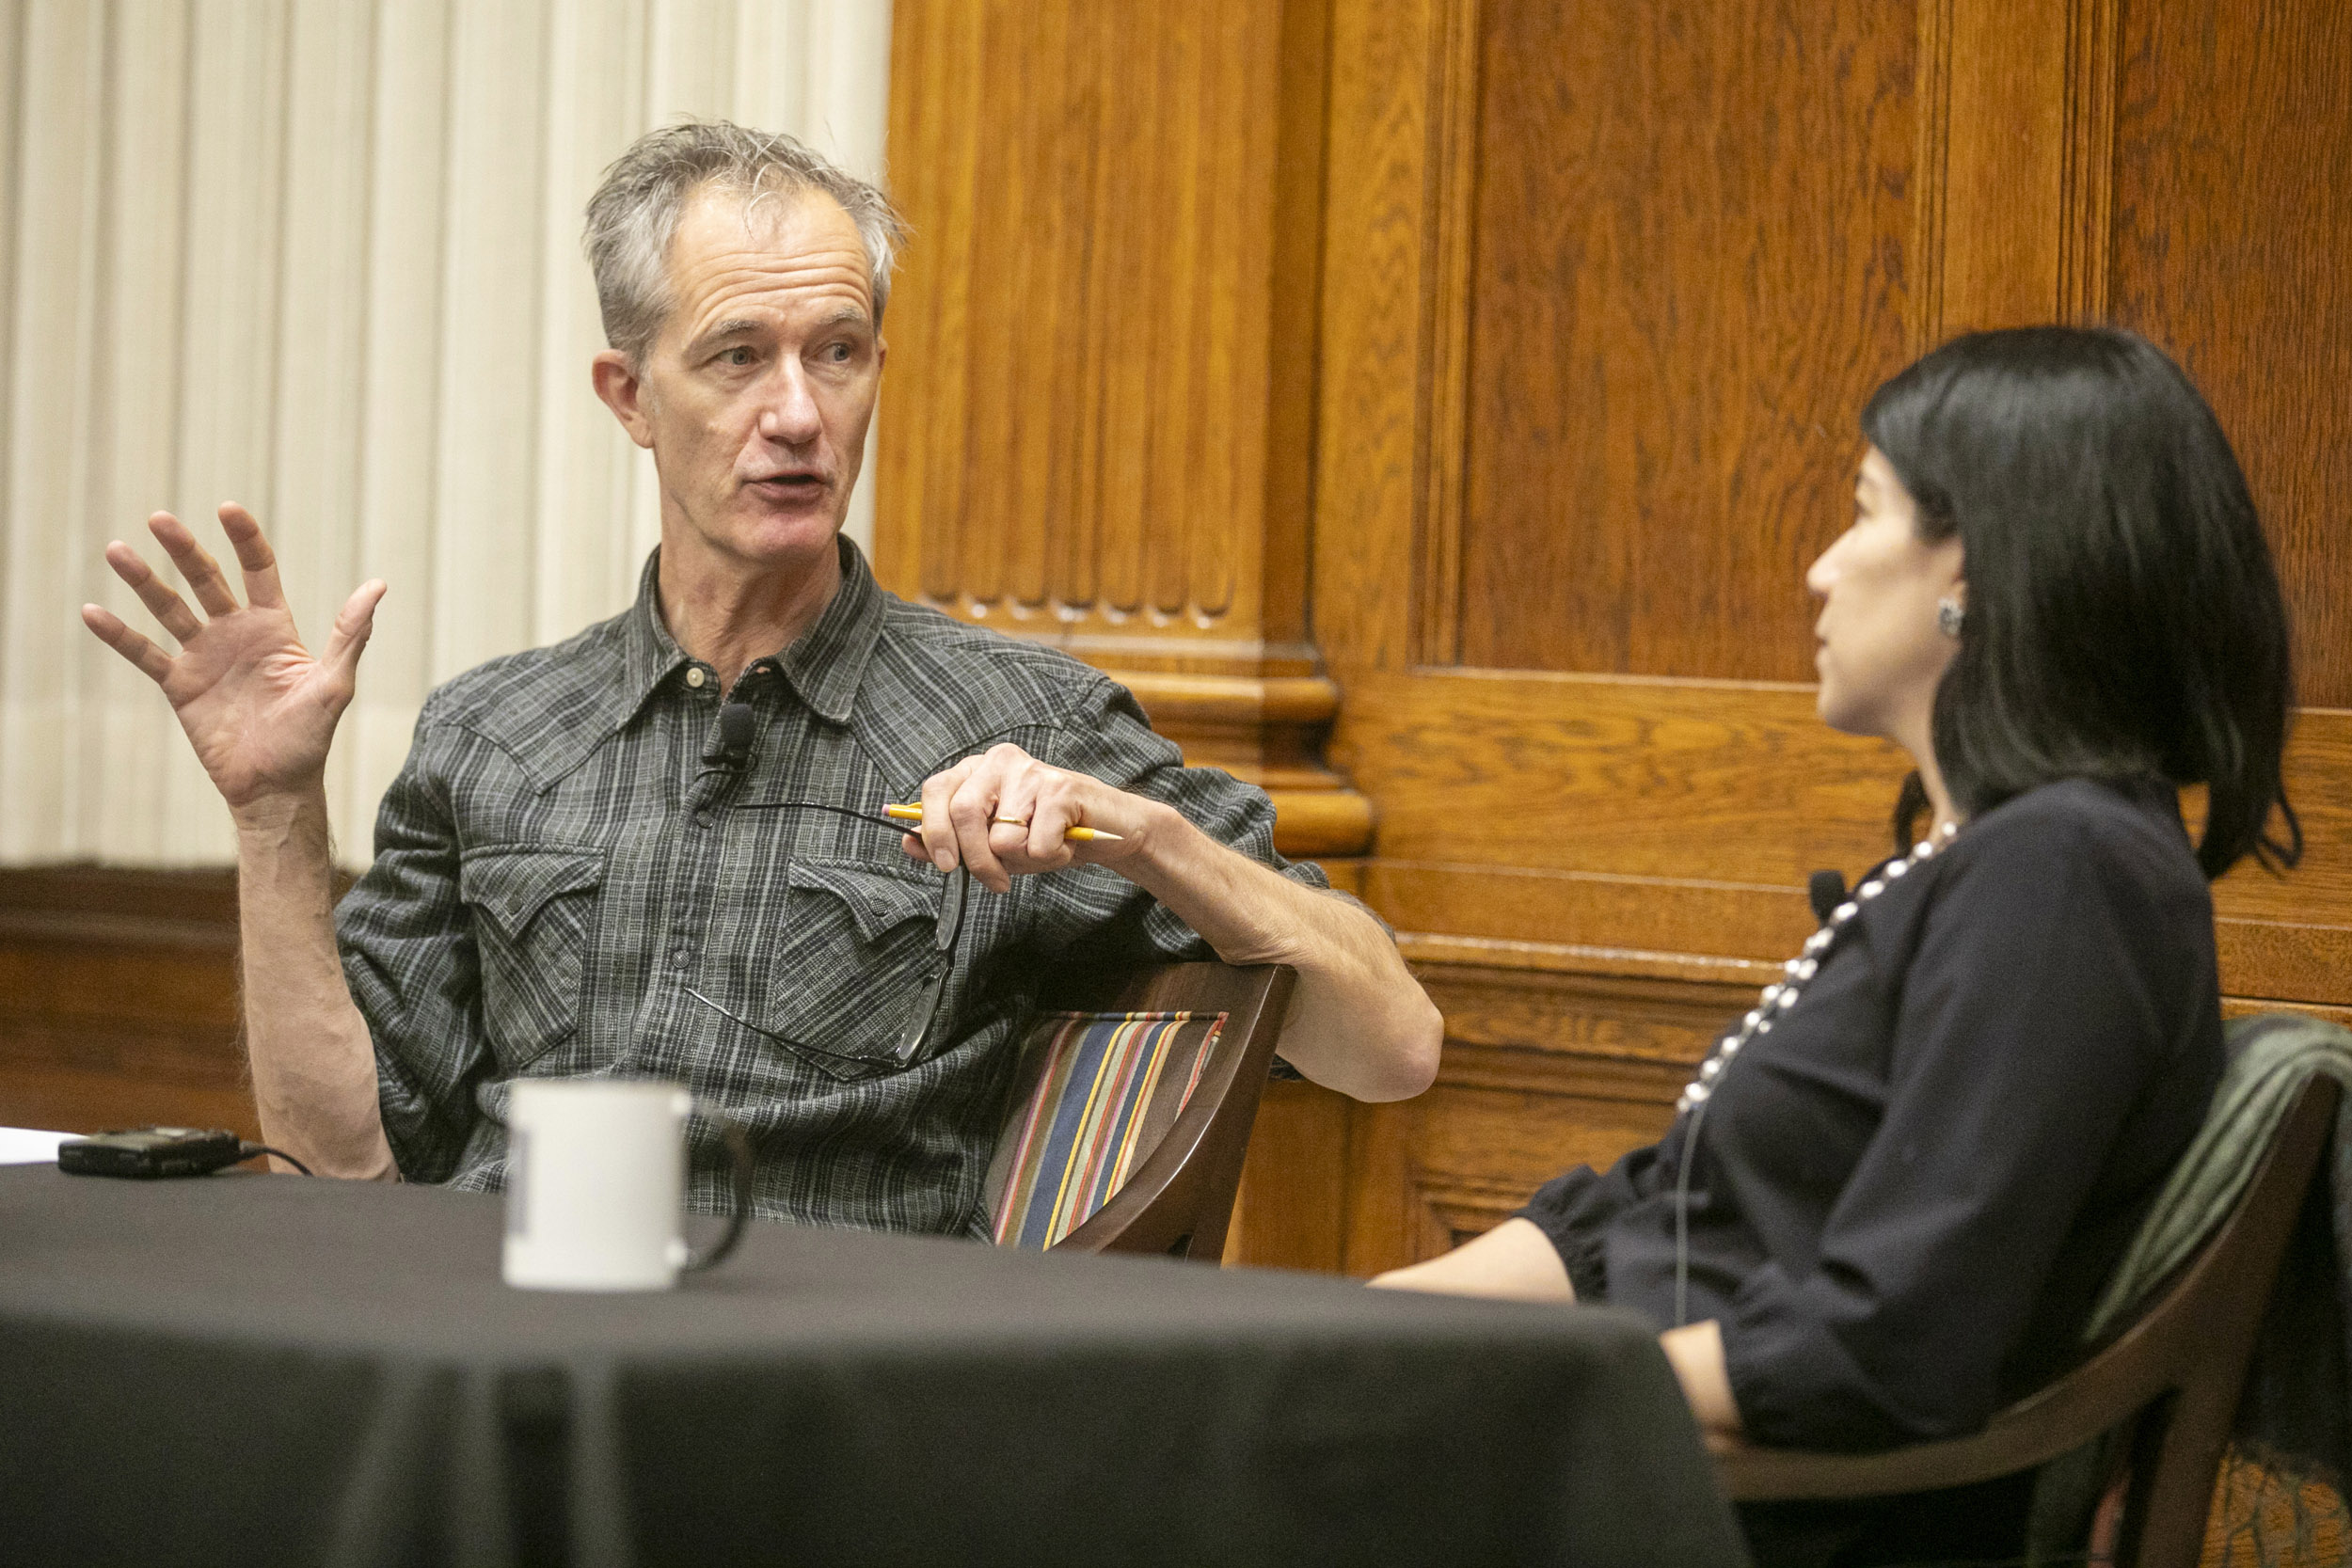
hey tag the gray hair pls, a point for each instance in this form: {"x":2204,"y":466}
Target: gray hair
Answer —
{"x":634,"y":213}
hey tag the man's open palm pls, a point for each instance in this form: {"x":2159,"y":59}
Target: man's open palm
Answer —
{"x":258,"y":706}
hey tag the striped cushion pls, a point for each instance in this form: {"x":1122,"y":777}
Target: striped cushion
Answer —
{"x":1097,"y":1092}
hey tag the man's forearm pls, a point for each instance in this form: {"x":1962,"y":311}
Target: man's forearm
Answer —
{"x":1358,"y":1022}
{"x":313,"y":1065}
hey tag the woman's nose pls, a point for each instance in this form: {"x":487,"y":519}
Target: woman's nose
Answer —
{"x":1823,"y":573}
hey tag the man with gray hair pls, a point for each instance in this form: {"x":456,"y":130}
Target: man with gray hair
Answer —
{"x":651,"y":849}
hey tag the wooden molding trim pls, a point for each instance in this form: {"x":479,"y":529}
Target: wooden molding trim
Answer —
{"x":1450,"y":1210}
{"x":1502,"y":954}
{"x":115,"y":906}
{"x":1308,"y":824}
{"x":1177,"y":699}
{"x":1513,"y":821}
{"x":1930,"y":174}
{"x":2087,"y":200}
{"x":1268,"y":730}
{"x":1443,"y":448}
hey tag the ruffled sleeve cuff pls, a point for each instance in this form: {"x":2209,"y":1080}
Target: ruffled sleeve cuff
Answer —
{"x":1575,"y":1212}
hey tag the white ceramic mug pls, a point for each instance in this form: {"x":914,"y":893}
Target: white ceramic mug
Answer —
{"x":595,"y":1180}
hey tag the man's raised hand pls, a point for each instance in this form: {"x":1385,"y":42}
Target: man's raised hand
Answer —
{"x":258,"y":706}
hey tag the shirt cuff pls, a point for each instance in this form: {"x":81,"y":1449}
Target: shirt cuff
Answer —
{"x":1572,"y":1212}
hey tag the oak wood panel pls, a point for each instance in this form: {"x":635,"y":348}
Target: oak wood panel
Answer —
{"x":2232,"y":222}
{"x":1692,"y":226}
{"x":1099,"y":420}
{"x":118,"y":1001}
{"x":1097,"y":332}
{"x":1294,"y":1189}
{"x":1622,"y":823}
{"x":1730,"y":783}
{"x":2017,"y":124}
{"x":1371,"y":466}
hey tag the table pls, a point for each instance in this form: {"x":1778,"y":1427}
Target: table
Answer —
{"x":259,"y":1370}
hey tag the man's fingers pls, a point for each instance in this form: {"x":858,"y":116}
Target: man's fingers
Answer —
{"x":169,"y":610}
{"x":937,"y":832}
{"x":1013,"y":827}
{"x":202,"y":572}
{"x":969,"y":811}
{"x":1053,"y":811}
{"x":130,"y":644}
{"x":353,"y":625}
{"x":259,"y":562}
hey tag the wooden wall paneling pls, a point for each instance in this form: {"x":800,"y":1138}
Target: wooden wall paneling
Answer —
{"x":1443,"y":444}
{"x":1295,"y":318}
{"x":934,"y":60}
{"x":1548,"y":840}
{"x":2087,"y":195}
{"x":1543,"y":1071}
{"x":1371,"y":468}
{"x":2232,"y":222}
{"x":1595,"y":307}
{"x":1559,"y":822}
{"x":118,"y":1001}
{"x":2012,"y":187}
{"x":1294,"y":1187}
{"x":1688,"y":278}
{"x":1099,"y":409}
{"x":1094,"y":323}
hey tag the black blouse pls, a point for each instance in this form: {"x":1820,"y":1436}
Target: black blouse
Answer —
{"x":1906,"y":1197}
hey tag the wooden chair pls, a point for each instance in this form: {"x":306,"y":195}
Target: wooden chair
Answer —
{"x":2172,"y":1378}
{"x":1177,"y":1198}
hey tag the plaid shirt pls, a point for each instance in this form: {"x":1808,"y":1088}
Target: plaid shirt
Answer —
{"x":559,"y":863}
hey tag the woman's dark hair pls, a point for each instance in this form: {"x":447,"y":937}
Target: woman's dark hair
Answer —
{"x":2123,"y":618}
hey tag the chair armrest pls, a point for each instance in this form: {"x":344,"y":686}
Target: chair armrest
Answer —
{"x":2101,"y":1394}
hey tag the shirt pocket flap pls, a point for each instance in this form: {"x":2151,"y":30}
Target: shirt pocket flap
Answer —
{"x":876,"y":900}
{"x":511,"y":885}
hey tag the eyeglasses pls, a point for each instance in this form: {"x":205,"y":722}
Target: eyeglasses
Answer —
{"x":955,"y":892}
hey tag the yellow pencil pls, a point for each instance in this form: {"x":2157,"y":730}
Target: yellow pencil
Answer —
{"x":914,"y":814}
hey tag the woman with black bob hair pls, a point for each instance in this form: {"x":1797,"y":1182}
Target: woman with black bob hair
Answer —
{"x":2123,"y":617}
{"x":1890,"y":1197}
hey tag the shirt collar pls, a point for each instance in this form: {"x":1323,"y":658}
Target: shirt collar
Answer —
{"x":825,"y":665}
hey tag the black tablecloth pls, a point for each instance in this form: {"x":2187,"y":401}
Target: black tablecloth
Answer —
{"x":267,"y":1369}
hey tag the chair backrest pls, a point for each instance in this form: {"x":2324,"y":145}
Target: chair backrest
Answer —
{"x":2171,"y":1380}
{"x":1131,"y":1114}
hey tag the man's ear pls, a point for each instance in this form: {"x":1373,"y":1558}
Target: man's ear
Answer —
{"x":620,"y":389}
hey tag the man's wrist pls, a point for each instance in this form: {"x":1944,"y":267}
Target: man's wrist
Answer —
{"x":269,"y":823}
{"x":1158,"y":850}
{"x":1214,"y":888}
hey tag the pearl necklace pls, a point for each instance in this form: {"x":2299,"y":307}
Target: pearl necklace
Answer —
{"x":1777,"y":999}
{"x":1781,"y":994}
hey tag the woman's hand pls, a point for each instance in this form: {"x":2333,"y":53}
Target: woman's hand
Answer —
{"x":258,"y":706}
{"x":1695,"y":1352}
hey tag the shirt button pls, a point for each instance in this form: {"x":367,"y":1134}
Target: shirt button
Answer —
{"x":702,"y":819}
{"x":677,"y":959}
{"x":695,"y":677}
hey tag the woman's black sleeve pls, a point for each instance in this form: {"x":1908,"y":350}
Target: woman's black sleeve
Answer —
{"x":2051,"y":978}
{"x":1575,"y":1211}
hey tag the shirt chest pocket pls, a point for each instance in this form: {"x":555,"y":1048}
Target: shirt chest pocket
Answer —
{"x":534,"y":910}
{"x":856,"y":959}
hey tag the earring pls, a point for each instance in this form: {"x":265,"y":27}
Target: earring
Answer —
{"x":1949,"y":613}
